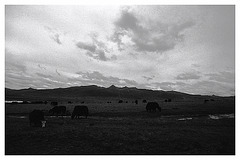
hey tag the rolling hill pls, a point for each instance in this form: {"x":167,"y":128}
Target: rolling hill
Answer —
{"x":95,"y":91}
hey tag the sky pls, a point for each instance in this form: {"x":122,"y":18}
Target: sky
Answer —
{"x":183,"y":48}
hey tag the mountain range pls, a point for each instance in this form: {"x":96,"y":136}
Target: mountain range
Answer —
{"x":96,"y":91}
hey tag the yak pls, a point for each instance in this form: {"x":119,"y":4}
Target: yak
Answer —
{"x":206,"y":100}
{"x":58,"y":110}
{"x":36,"y":118}
{"x":136,"y":101}
{"x":79,"y":111}
{"x":152,"y":106}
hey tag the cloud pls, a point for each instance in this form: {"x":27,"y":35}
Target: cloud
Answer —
{"x":86,"y":46}
{"x":96,"y":77}
{"x":148,"y":78}
{"x":152,"y":37}
{"x":169,"y":86}
{"x":43,"y":75}
{"x":135,"y":36}
{"x":54,"y":34}
{"x":55,"y":37}
{"x":127,"y":21}
{"x":195,"y":65}
{"x":98,"y":54}
{"x":14,"y":63}
{"x":92,"y":51}
{"x":41,"y":67}
{"x":209,"y":88}
{"x":17,"y":80}
{"x":203,"y":87}
{"x":226,"y":77}
{"x":97,"y":49}
{"x":165,"y":85}
{"x":58,"y":73}
{"x":188,"y":76}
{"x":37,"y":80}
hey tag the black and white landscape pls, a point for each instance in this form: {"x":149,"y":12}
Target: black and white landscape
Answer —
{"x":115,"y":60}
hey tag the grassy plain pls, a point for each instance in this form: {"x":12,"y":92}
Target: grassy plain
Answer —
{"x":124,"y":128}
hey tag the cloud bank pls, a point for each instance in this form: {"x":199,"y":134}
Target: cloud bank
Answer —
{"x":184,"y":48}
{"x":156,"y":37}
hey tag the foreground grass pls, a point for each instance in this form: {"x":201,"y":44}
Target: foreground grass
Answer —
{"x":124,"y":129}
{"x":121,"y":135}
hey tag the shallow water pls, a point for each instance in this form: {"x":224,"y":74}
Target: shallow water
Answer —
{"x":17,"y":116}
{"x":221,"y":116}
{"x":184,"y":119}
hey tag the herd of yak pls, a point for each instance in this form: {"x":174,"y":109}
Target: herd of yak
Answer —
{"x":36,"y":117}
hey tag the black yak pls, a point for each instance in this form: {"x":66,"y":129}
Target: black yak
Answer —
{"x":206,"y":100}
{"x":79,"y":111}
{"x":168,"y":100}
{"x":152,"y":106}
{"x":36,"y":118}
{"x":120,"y":101}
{"x":136,"y":101}
{"x":58,"y":110}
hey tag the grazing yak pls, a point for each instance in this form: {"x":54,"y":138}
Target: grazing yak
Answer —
{"x":168,"y":100}
{"x":136,"y":101}
{"x":206,"y":100}
{"x":58,"y":110}
{"x":36,"y":118}
{"x":152,"y":106}
{"x":120,"y":101}
{"x":79,"y":111}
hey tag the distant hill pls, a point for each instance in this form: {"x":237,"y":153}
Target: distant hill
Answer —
{"x":95,"y":91}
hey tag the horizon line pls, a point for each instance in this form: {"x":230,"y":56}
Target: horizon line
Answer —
{"x":195,"y":94}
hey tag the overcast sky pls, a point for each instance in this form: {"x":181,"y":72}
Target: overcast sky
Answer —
{"x":189,"y":49}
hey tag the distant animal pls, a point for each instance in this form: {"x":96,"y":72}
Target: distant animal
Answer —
{"x":69,"y":102}
{"x":206,"y":100}
{"x":152,"y":106}
{"x":82,"y":102}
{"x":54,"y":103}
{"x":58,"y":110}
{"x":36,"y":118}
{"x":79,"y":111}
{"x":120,"y":101}
{"x":136,"y":101}
{"x":144,"y":101}
{"x":168,"y":100}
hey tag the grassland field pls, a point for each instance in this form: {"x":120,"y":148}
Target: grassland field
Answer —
{"x":123,"y":129}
